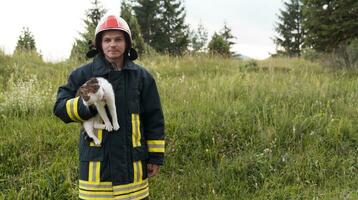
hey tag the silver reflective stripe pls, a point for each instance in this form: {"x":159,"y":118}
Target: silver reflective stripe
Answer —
{"x":136,"y":127}
{"x":72,"y":109}
{"x":138,"y":171}
{"x":156,"y":145}
{"x":125,"y":189}
{"x":94,"y":167}
{"x":136,"y":130}
{"x":94,"y":171}
{"x":142,"y":193}
{"x":96,"y":195}
{"x":95,"y":186}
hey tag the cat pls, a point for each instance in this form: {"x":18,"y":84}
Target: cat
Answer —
{"x":98,"y":92}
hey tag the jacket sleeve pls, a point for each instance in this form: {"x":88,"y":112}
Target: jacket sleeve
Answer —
{"x":153,"y":121}
{"x":68,"y":107}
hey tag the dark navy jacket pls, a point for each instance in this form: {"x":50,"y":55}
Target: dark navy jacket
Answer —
{"x":140,"y":116}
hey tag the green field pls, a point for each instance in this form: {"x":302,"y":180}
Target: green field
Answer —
{"x":272,"y":129}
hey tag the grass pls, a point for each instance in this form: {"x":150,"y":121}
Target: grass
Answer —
{"x":273,"y":129}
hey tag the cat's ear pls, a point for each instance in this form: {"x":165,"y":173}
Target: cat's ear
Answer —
{"x":92,"y":81}
{"x":82,"y":90}
{"x":96,"y":87}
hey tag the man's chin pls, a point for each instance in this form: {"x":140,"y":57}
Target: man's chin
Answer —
{"x":114,"y":56}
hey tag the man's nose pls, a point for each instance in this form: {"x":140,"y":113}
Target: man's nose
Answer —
{"x":112,"y":43}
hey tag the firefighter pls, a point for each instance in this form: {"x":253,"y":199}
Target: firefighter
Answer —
{"x":120,"y":166}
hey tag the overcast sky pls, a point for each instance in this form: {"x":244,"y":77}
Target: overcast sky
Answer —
{"x":56,"y":23}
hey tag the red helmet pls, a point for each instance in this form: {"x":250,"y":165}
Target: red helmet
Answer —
{"x":112,"y":22}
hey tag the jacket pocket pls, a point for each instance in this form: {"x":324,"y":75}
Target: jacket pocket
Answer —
{"x":88,"y":152}
{"x":140,"y":153}
{"x":134,"y":100}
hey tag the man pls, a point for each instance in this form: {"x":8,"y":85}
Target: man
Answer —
{"x":119,"y":168}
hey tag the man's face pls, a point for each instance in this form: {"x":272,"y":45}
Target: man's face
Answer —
{"x":113,"y":45}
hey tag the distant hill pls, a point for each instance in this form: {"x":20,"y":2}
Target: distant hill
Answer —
{"x":242,"y":57}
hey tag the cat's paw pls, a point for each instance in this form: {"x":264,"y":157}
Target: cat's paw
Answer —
{"x":108,"y":126}
{"x":97,"y":141}
{"x":116,"y":126}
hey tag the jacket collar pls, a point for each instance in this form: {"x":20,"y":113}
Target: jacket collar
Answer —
{"x":101,"y":66}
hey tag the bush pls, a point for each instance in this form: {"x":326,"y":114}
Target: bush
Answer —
{"x":345,"y":56}
{"x":311,"y":54}
{"x":352,"y":51}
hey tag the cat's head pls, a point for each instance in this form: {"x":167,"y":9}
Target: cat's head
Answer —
{"x":90,"y":92}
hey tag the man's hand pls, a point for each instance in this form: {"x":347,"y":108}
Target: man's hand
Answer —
{"x":152,"y":169}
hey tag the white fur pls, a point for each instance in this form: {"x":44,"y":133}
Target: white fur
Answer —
{"x":103,"y":96}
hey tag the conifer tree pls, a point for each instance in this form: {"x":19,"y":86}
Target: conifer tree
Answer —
{"x":172,"y":37}
{"x":93,"y":15}
{"x":289,"y":29}
{"x":228,"y":36}
{"x":127,"y":14}
{"x":147,"y":13}
{"x":26,"y":41}
{"x":219,"y":45}
{"x":162,"y":25}
{"x":331,"y":25}
{"x":198,"y":38}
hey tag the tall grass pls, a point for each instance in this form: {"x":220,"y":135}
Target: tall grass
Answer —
{"x":273,"y":129}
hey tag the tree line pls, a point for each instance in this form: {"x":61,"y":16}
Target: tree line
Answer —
{"x":327,"y":27}
{"x":157,"y":26}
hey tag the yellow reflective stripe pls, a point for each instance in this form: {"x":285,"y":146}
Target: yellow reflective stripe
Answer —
{"x":92,"y":192}
{"x":135,"y":188}
{"x":140,"y":168}
{"x":68,"y":109}
{"x":98,"y":133}
{"x":90,"y":171}
{"x":156,"y":150}
{"x":95,"y":183}
{"x":135,"y":195}
{"x":136,"y":130}
{"x":75,"y":109}
{"x":137,"y":171}
{"x":88,"y":185}
{"x":95,"y":187}
{"x":133,"y":130}
{"x":72,"y":109}
{"x":156,"y":146}
{"x":130,"y":185}
{"x":98,"y":170}
{"x":101,"y":197}
{"x":155,"y":142}
{"x":94,"y":195}
{"x":94,"y":171}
